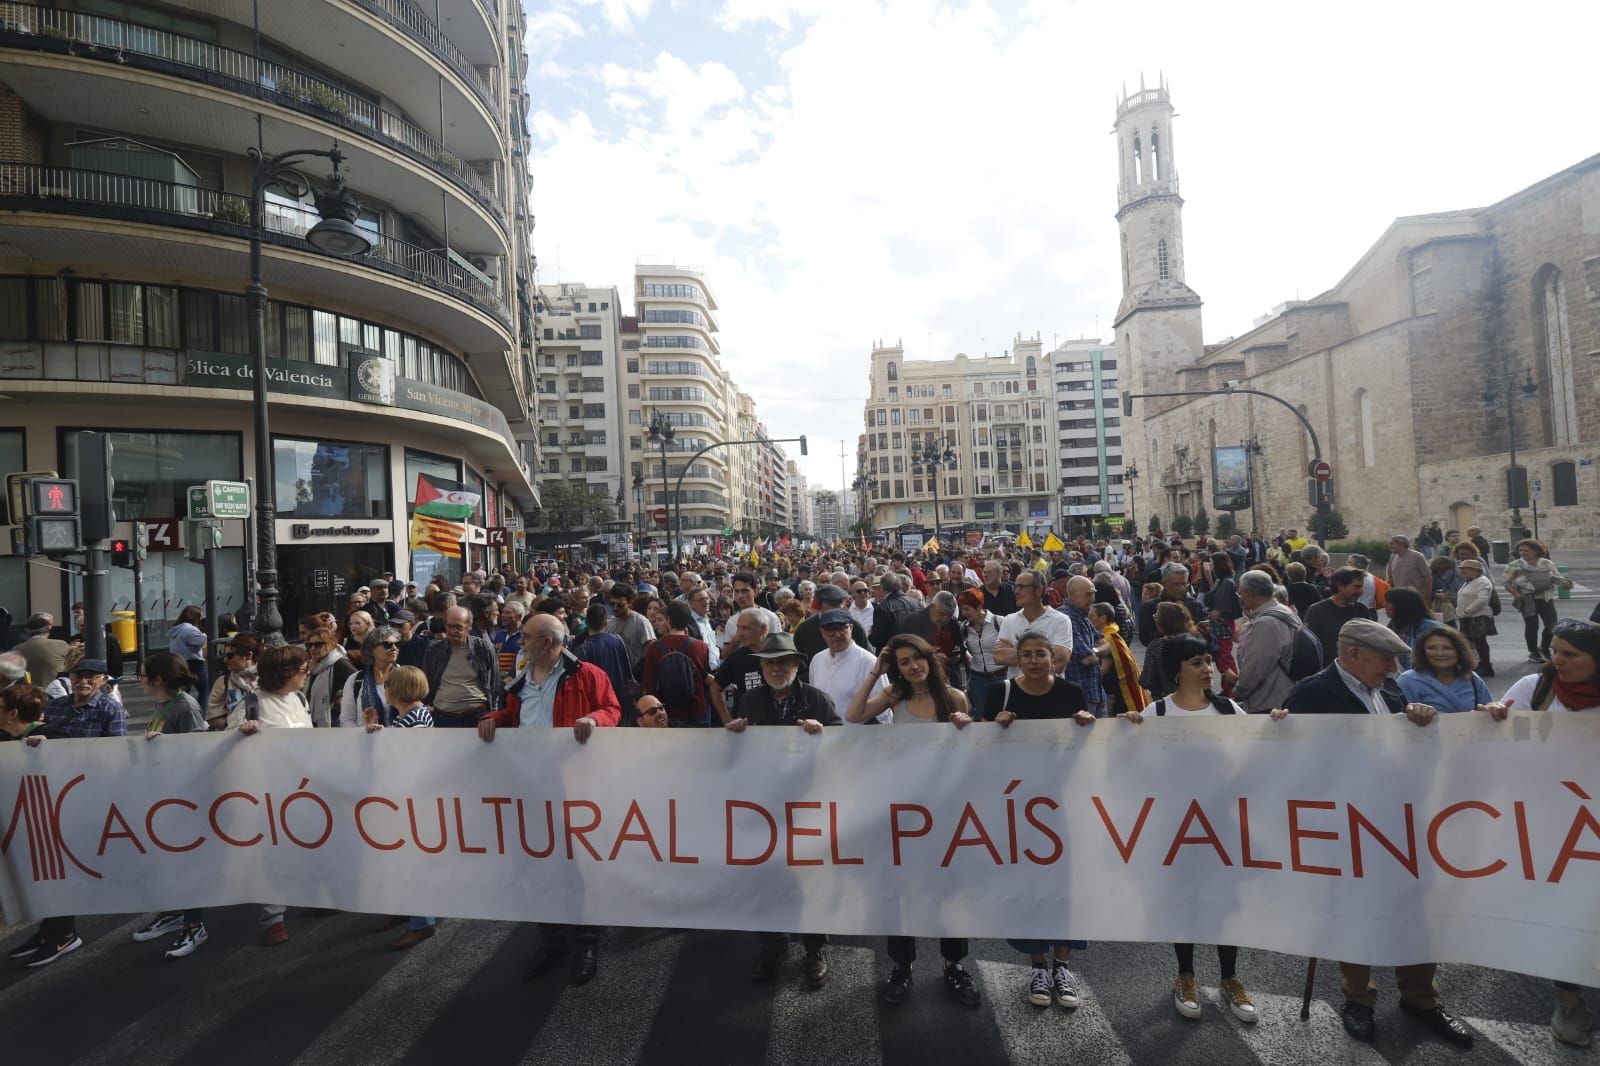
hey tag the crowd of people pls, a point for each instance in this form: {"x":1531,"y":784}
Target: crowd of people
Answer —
{"x":859,"y":636}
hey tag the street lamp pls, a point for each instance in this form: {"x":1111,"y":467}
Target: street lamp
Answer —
{"x":638,"y":508}
{"x":335,"y":234}
{"x":1514,"y":391}
{"x":865,"y":486}
{"x":663,"y":433}
{"x":1129,"y":476}
{"x":934,"y":454}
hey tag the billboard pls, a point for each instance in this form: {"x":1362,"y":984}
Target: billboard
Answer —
{"x":1230,"y":479}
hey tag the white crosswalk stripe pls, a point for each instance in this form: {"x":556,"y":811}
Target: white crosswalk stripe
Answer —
{"x":1048,"y":1036}
{"x":1531,"y":1044}
{"x":836,"y":1024}
{"x":587,"y":1026}
{"x":390,"y":1016}
{"x":1280,"y":1038}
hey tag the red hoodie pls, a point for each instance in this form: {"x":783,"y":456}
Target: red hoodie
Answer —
{"x":583,"y":690}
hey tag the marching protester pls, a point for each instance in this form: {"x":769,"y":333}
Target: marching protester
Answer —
{"x":463,"y":673}
{"x":841,"y":667}
{"x":22,"y":713}
{"x":676,"y":668}
{"x":1533,"y":581}
{"x":238,"y":679}
{"x":330,"y":669}
{"x":1408,"y":618}
{"x":366,"y":689}
{"x":1265,"y":651}
{"x":1032,"y":613}
{"x":1328,"y":615}
{"x":1119,"y":672}
{"x":980,"y":630}
{"x":1476,"y":605}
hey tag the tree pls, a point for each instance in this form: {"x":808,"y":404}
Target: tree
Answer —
{"x":1183,"y":525}
{"x":1104,"y":529}
{"x":1227,"y":525}
{"x":568,"y":505}
{"x":1336,"y":526}
{"x":1155,"y":523}
{"x":1202,"y":520}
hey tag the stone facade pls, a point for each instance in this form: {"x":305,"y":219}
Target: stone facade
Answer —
{"x":1391,"y":366}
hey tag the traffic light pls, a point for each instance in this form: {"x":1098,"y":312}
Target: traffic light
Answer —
{"x":122,"y":554}
{"x":94,"y":474}
{"x":53,"y":526}
{"x":52,"y":496}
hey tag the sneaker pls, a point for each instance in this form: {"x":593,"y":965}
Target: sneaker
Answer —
{"x":895,"y":990}
{"x":1185,"y":996}
{"x":1570,"y":1023}
{"x":816,"y":968}
{"x":48,"y":953}
{"x":188,"y":942}
{"x":961,"y":985}
{"x":159,"y":926}
{"x":274,"y":934}
{"x":1238,"y":999}
{"x":27,"y":949}
{"x":1039,"y":990}
{"x":1535,"y":657}
{"x":1066,"y":988}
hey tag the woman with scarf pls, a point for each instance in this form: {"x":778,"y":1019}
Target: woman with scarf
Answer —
{"x":1119,"y":671}
{"x":380,"y":652}
{"x":330,"y":669}
{"x":1569,"y":682}
{"x":979,"y":631}
{"x":239,"y":679}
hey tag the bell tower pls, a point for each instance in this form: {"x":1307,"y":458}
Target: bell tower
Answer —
{"x":1158,"y":321}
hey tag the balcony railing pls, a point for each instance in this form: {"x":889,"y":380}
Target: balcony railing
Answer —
{"x":422,"y":29}
{"x":96,"y":37}
{"x":28,"y":187}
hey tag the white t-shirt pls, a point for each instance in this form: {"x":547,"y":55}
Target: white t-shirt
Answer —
{"x":1522,"y":693}
{"x":350,"y":700}
{"x":1053,"y":624}
{"x":841,"y":676}
{"x":1174,"y":711}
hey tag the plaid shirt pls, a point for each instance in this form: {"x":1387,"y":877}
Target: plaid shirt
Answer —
{"x":1085,"y":677}
{"x":102,"y":716}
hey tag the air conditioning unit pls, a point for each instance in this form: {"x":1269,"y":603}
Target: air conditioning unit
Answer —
{"x":489,"y":265}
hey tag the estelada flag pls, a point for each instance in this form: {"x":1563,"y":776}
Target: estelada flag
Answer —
{"x":1052,"y":543}
{"x":437,"y":535}
{"x":439,"y":498}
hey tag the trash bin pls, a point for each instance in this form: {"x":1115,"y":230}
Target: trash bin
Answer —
{"x":1562,"y":591}
{"x":125,"y":631}
{"x":1502,"y":551}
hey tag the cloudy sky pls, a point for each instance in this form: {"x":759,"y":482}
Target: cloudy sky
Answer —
{"x":941,"y":171}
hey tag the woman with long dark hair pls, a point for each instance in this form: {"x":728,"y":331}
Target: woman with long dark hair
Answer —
{"x":187,"y":640}
{"x":1408,"y":618}
{"x":1532,"y":579}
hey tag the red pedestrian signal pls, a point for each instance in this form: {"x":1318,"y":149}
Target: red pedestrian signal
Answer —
{"x":53,"y":496}
{"x":121,"y":554}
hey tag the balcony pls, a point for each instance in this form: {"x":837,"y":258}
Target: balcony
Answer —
{"x":29,"y":189}
{"x":131,"y":106}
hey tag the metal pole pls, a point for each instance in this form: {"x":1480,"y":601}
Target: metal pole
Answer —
{"x":213,"y":631}
{"x":268,"y":622}
{"x":1513,"y":481}
{"x":247,"y":606}
{"x":139,"y":534}
{"x":96,"y":599}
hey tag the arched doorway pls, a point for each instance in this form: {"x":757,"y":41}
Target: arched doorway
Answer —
{"x":1461,"y":517}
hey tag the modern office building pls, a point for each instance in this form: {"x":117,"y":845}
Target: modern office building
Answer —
{"x":127,"y":136}
{"x":1089,"y":423}
{"x":994,"y":418}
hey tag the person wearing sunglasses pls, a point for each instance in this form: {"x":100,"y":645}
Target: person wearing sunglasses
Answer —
{"x":225,"y":702}
{"x":330,"y":669}
{"x":365,"y":690}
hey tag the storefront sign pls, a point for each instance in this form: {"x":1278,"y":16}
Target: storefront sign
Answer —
{"x":433,"y":400}
{"x":371,"y":377}
{"x":214,"y":371}
{"x":334,"y":531}
{"x":305,"y":531}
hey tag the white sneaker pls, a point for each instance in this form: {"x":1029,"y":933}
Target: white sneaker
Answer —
{"x":159,"y":926}
{"x":1570,"y":1023}
{"x":188,"y":942}
{"x":1066,"y":988}
{"x":1039,"y":987}
{"x":1239,"y":1000}
{"x":1186,"y":997}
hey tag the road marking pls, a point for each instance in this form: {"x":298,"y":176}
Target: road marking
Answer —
{"x":1048,"y":1036}
{"x":1531,"y":1044}
{"x":386,"y":1020}
{"x":1280,"y":1037}
{"x":837,"y":1023}
{"x":608,"y":1019}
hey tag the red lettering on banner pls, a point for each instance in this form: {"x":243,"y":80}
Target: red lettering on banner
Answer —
{"x":896,"y":833}
{"x":549,"y":831}
{"x":1569,"y":847}
{"x":833,"y":838}
{"x":672,"y":837}
{"x":1245,"y":857}
{"x":361,"y":828}
{"x":1055,"y":841}
{"x":461,"y":834}
{"x":1438,"y":824}
{"x":642,"y":836}
{"x":126,"y":833}
{"x":1295,"y":833}
{"x":416,"y":835}
{"x":150,"y":826}
{"x":1193,"y":814}
{"x":580,"y":833}
{"x":1125,"y":850}
{"x":1520,"y":812}
{"x":799,"y":831}
{"x":982,"y":839}
{"x":772,"y":832}
{"x":498,"y":802}
{"x":1358,"y":822}
{"x":272,"y":819}
{"x":217,"y":803}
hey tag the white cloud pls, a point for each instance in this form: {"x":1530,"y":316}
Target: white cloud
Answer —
{"x":622,"y":14}
{"x":942,"y":174}
{"x":551,"y":27}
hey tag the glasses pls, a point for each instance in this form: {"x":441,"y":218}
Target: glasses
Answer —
{"x":311,"y":644}
{"x":837,"y":627}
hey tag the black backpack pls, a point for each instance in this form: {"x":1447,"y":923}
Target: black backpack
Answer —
{"x":1305,"y":657}
{"x":677,"y":679}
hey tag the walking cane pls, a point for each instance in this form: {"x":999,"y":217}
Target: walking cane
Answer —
{"x":1311,"y":979}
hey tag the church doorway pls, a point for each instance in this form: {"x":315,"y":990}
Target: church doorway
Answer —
{"x":1461,"y":517}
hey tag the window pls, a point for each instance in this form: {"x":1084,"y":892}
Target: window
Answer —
{"x":634,"y":419}
{"x":594,"y":410}
{"x":572,"y":358}
{"x":635,"y":444}
{"x":329,"y":479}
{"x":592,"y":358}
{"x":595,"y":463}
{"x":1033,"y":367}
{"x":589,"y":332}
{"x":1565,"y":476}
{"x":894,"y":394}
{"x":893,"y":372}
{"x":153,"y":469}
{"x":633,"y":392}
{"x":1161,"y":259}
{"x":633,"y":366}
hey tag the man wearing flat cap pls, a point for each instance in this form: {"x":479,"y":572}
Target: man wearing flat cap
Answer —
{"x":1361,"y":681}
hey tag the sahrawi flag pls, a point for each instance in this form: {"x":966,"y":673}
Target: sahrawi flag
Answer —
{"x":444,"y":499}
{"x":437,"y":534}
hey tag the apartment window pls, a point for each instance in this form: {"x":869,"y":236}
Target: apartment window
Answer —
{"x":634,"y":419}
{"x":591,"y":306}
{"x":946,"y":391}
{"x":633,"y":392}
{"x":894,"y":394}
{"x":899,"y":441}
{"x":899,"y":489}
{"x":592,"y":358}
{"x":981,"y":412}
{"x":574,"y":410}
{"x":894,"y":417}
{"x":594,"y":410}
{"x":633,"y":366}
{"x":589,"y":332}
{"x":594,"y":384}
{"x":595,"y":463}
{"x":635,"y":444}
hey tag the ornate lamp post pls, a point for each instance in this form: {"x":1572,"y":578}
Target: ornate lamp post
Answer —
{"x":663,"y":433}
{"x":1130,"y":475}
{"x":1506,"y":385}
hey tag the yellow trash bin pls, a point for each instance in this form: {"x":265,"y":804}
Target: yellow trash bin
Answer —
{"x":126,"y":632}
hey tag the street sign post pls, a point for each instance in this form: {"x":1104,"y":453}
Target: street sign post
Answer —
{"x":1321,"y":470}
{"x":659,"y":515}
{"x":219,"y":499}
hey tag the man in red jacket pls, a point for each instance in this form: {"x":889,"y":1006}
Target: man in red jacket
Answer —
{"x":557,"y":690}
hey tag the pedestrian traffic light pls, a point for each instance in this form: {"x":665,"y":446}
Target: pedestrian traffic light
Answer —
{"x":94,"y":474}
{"x":52,"y":520}
{"x":52,"y":496}
{"x":122,"y":554}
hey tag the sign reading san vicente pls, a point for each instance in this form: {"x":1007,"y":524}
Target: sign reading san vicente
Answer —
{"x":1358,"y":839}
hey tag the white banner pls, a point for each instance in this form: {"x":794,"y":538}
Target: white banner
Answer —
{"x":1360,"y":839}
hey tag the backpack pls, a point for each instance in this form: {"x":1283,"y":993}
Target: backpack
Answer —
{"x":1494,"y":601}
{"x":1222,"y":704}
{"x":1305,"y":657}
{"x":677,"y":679}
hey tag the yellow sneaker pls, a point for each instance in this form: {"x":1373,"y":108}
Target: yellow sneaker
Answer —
{"x":1238,"y":1000}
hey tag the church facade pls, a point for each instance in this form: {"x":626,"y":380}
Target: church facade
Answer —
{"x":1452,"y":332}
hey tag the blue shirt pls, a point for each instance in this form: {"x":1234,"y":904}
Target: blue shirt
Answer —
{"x":1462,"y":694}
{"x":539,"y":701}
{"x":102,"y":716}
{"x":1086,"y":678}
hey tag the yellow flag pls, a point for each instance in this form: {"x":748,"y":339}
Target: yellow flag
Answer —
{"x":755,"y":557}
{"x":437,"y":534}
{"x":1052,"y":543}
{"x":932,"y":545}
{"x":1024,"y":541}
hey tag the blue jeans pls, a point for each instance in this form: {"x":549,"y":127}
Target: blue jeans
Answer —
{"x":416,"y":922}
{"x":441,"y":720}
{"x":978,"y":687}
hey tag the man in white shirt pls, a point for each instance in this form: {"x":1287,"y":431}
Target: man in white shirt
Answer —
{"x":862,"y":605}
{"x":1032,"y":614}
{"x":842,"y":667}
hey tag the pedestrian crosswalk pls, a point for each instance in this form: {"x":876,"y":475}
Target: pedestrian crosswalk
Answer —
{"x":336,"y":994}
